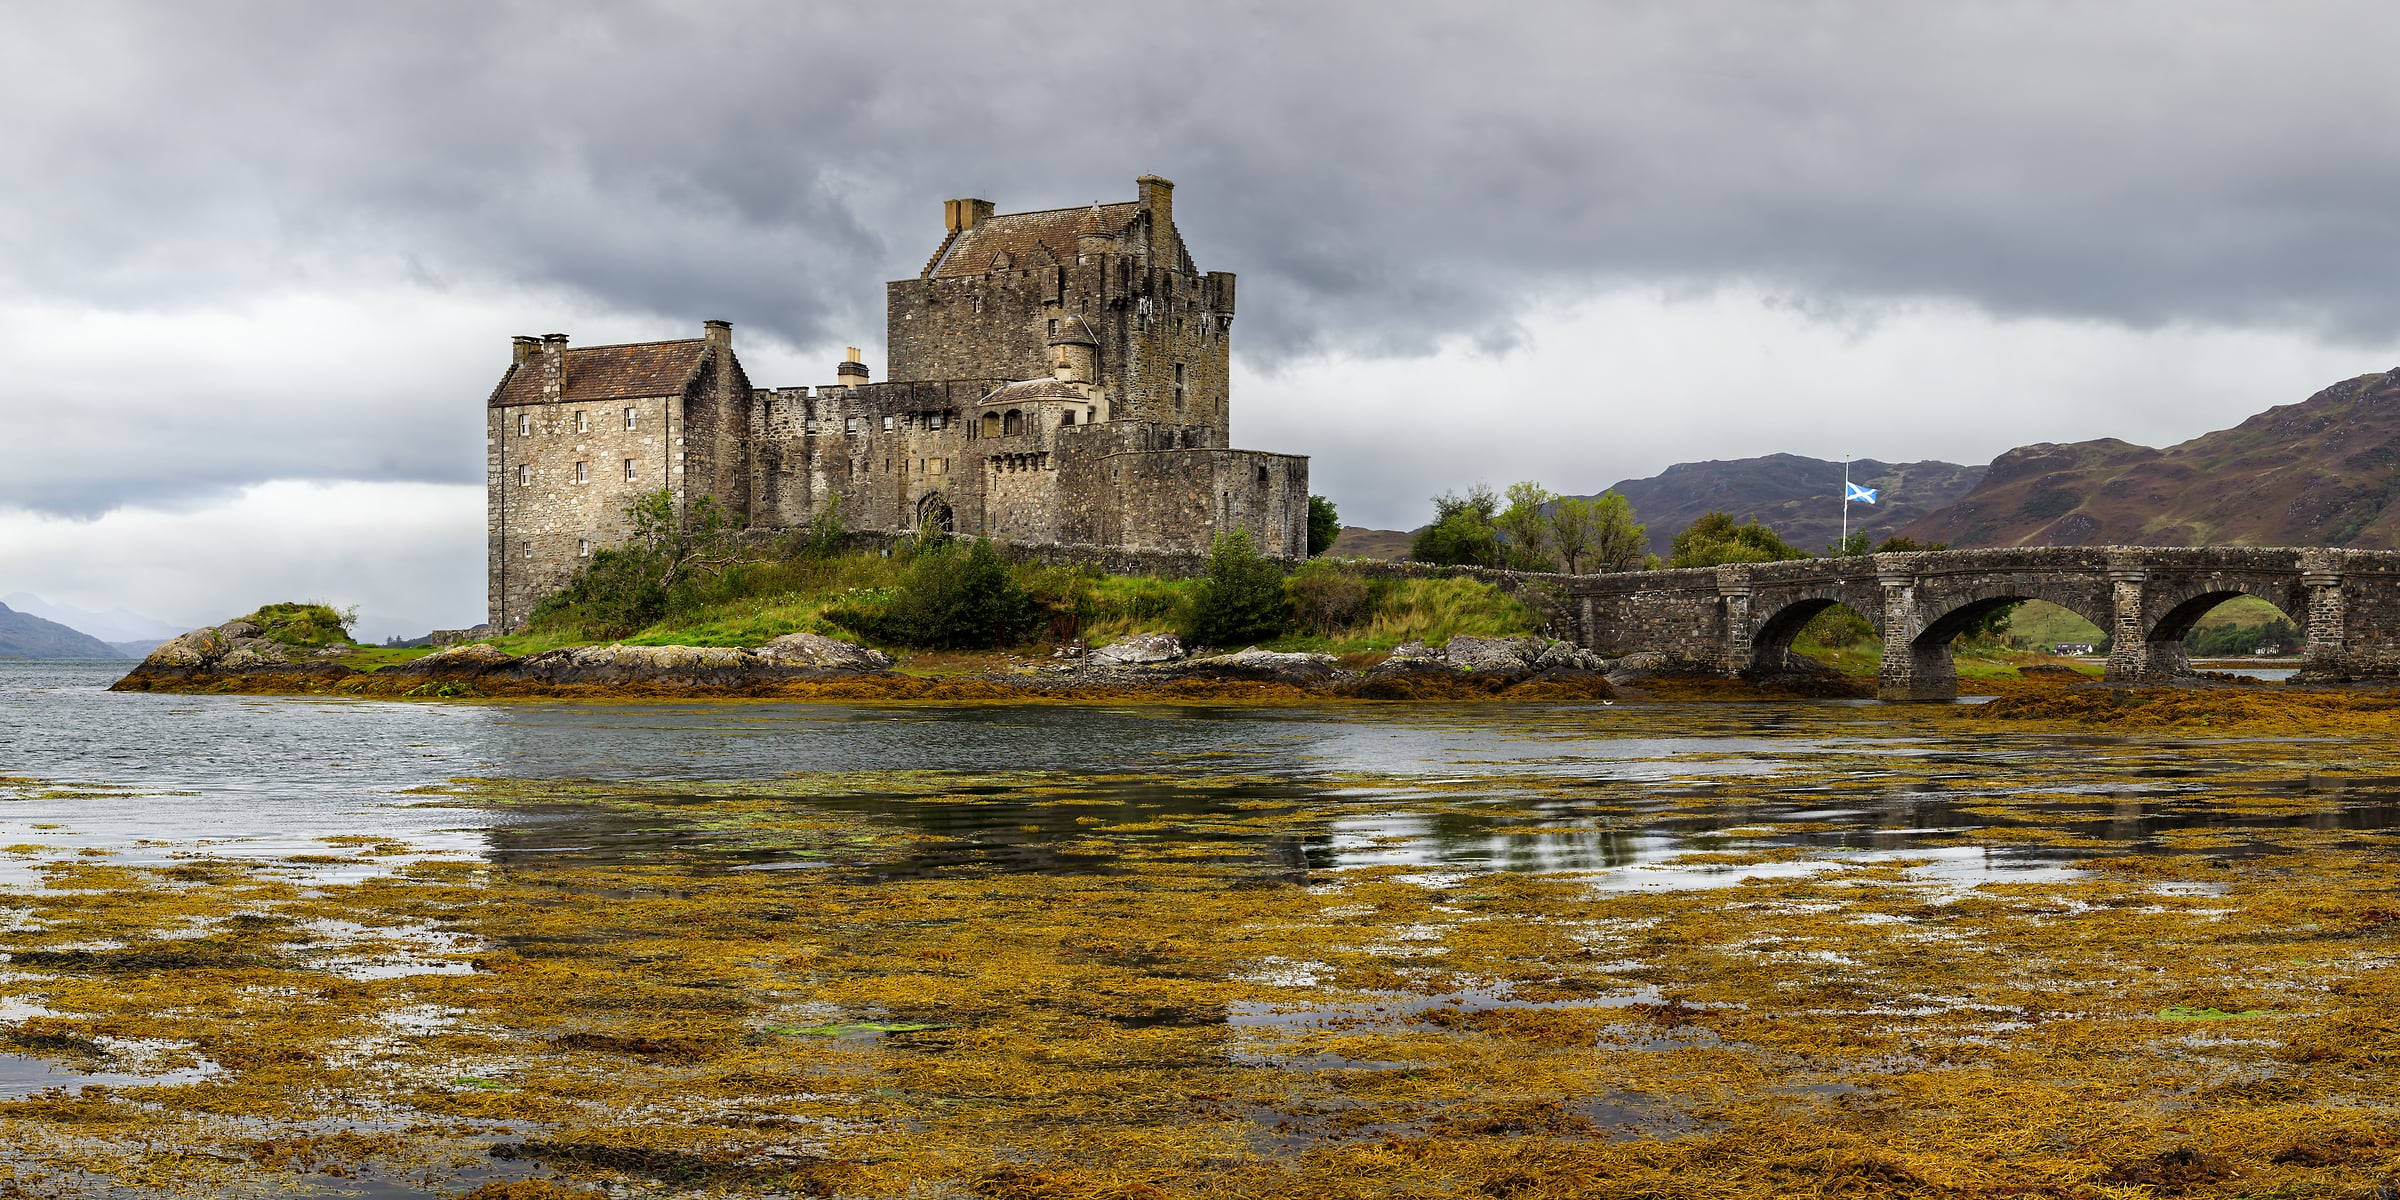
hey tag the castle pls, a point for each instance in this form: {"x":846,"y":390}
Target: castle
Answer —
{"x":1054,"y":378}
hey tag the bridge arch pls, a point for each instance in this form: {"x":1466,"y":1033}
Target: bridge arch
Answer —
{"x":1928,"y":670}
{"x":1785,"y":613}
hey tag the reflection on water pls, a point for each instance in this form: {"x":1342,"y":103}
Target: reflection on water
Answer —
{"x":1617,"y":791}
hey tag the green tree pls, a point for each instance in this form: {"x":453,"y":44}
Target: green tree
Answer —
{"x":624,"y":588}
{"x":1850,"y":547}
{"x":695,"y":541}
{"x":1324,"y":525}
{"x":1462,"y":533}
{"x":1241,"y":598}
{"x":1905,"y":545}
{"x":958,"y":595}
{"x":1599,"y":534}
{"x":1524,"y":528}
{"x":1714,"y":539}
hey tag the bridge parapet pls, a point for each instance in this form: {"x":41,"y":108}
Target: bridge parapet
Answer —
{"x":1740,"y":619}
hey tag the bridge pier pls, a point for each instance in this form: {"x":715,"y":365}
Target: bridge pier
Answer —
{"x":1914,"y":666}
{"x":2132,"y":656}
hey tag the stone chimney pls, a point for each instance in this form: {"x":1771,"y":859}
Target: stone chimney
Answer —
{"x":851,"y":372}
{"x":959,"y":216}
{"x":554,"y":366}
{"x":1158,"y":199}
{"x":718,"y":334}
{"x":522,"y":347}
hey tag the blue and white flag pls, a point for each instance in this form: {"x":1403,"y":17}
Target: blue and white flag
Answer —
{"x":1864,"y":495}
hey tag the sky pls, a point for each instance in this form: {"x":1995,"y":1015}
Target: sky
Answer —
{"x":259,"y":263}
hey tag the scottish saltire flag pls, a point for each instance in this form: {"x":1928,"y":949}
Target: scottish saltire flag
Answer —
{"x":1864,"y":495}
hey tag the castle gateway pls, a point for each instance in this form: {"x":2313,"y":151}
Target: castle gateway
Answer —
{"x":1055,"y":377}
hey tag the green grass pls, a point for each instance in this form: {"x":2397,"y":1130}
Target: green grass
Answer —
{"x":755,"y":602}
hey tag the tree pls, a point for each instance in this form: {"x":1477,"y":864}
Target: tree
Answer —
{"x":1904,"y":545}
{"x":695,"y":541}
{"x":1324,"y":525}
{"x":1461,"y":533}
{"x":1714,"y":540}
{"x":1241,"y":598}
{"x":1599,"y":532}
{"x":1524,"y":529}
{"x":956,"y":596}
{"x":1849,"y":547}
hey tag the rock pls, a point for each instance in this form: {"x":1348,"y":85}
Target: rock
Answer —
{"x":187,"y":652}
{"x":818,"y":652}
{"x":1504,"y":655}
{"x":1271,"y":665}
{"x":1410,"y":658}
{"x":239,"y":629}
{"x":251,"y":654}
{"x":1567,"y":656}
{"x":455,"y":662}
{"x":1634,"y":668}
{"x":1139,"y":650}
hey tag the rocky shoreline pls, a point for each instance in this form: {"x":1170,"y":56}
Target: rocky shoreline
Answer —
{"x":235,"y":658}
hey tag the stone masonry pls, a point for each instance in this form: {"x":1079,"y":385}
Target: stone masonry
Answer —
{"x":1740,"y":620}
{"x":1056,"y":378}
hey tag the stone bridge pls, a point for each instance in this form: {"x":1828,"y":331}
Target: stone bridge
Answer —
{"x":1739,"y":620}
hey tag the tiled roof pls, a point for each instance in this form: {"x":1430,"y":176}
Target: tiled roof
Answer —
{"x":1019,"y":234}
{"x":608,"y":373}
{"x":1037,"y":389}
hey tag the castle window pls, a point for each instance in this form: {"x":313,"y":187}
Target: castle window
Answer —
{"x":812,"y":427}
{"x":630,"y":470}
{"x":525,"y":424}
{"x":524,"y":475}
{"x":934,"y":421}
{"x":583,"y":472}
{"x":583,"y":422}
{"x":1054,"y":327}
{"x":1178,"y":387}
{"x":1012,"y":424}
{"x":991,"y":424}
{"x":629,"y":418}
{"x":529,"y":549}
{"x":1069,"y":419}
{"x":1262,"y":474}
{"x":583,"y":547}
{"x":887,"y":424}
{"x":850,"y":425}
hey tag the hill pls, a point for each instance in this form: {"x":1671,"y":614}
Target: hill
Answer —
{"x":1799,"y":497}
{"x":2323,"y":472}
{"x":23,"y":635}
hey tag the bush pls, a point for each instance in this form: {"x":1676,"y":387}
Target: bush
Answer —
{"x":614,"y":594}
{"x":1714,"y":540}
{"x":1599,"y":533}
{"x":1241,"y":599}
{"x":1324,"y":525}
{"x":1462,"y":533}
{"x":1326,"y":598}
{"x":953,"y":598}
{"x":822,"y":536}
{"x":305,"y":626}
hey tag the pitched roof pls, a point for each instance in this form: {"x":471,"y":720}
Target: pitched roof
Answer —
{"x":608,"y":373}
{"x":1038,"y":389}
{"x":1019,"y":234}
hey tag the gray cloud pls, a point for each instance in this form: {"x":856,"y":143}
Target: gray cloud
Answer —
{"x":1386,"y":177}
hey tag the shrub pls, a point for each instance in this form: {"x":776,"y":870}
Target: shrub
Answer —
{"x":1714,"y":539}
{"x":1462,"y":533}
{"x":1241,"y":598}
{"x":822,"y":536}
{"x":307,"y":626}
{"x":1599,"y":534}
{"x":954,"y":597}
{"x":1326,"y":598}
{"x":614,"y":594}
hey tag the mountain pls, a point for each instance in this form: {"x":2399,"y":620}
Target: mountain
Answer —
{"x":1358,"y":541}
{"x":2323,"y":472}
{"x":115,"y":625}
{"x":23,"y":635}
{"x":1800,"y":498}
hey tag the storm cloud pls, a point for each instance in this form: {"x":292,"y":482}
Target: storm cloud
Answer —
{"x":288,"y":241}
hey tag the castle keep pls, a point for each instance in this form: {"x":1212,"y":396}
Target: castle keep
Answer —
{"x":1054,"y":377}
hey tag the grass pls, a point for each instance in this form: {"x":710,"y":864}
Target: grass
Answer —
{"x":755,"y":602}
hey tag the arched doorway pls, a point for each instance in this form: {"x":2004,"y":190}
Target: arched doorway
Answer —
{"x":934,"y":511}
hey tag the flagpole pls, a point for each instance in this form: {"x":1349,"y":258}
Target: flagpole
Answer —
{"x":1845,"y":504}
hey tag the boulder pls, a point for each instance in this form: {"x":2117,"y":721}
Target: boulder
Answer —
{"x":1410,"y":658}
{"x":192,"y":651}
{"x":1269,"y":665}
{"x":251,"y":654}
{"x":1141,"y":649}
{"x":1634,"y":668}
{"x":455,"y":662}
{"x":1567,"y":656}
{"x":1512,"y":655}
{"x":818,"y":652}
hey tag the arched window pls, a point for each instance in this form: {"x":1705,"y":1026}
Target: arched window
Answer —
{"x":1013,"y":424}
{"x":991,"y":424}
